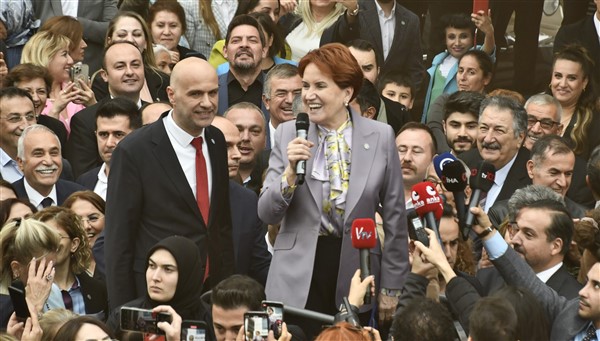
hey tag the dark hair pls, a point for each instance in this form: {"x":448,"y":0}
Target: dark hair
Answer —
{"x":420,"y":126}
{"x":244,"y":19}
{"x":532,"y":323}
{"x":587,"y":235}
{"x":364,"y":46}
{"x":67,"y":26}
{"x":148,"y":53}
{"x":459,"y":21}
{"x":6,"y":206}
{"x":238,"y":291}
{"x":483,"y":59}
{"x":272,"y":30}
{"x":399,"y":78}
{"x":88,"y":196}
{"x":593,"y":170}
{"x":247,"y":6}
{"x":69,"y":330}
{"x":424,"y":320}
{"x":368,"y":97}
{"x":493,"y":319}
{"x":336,"y":62}
{"x":12,"y":92}
{"x":6,"y":184}
{"x":119,"y":106}
{"x":548,"y":144}
{"x":561,"y":225}
{"x":167,"y":6}
{"x":27,"y":72}
{"x":464,"y":102}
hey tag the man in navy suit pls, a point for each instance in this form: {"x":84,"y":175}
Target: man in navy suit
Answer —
{"x":252,"y":257}
{"x":115,"y":119}
{"x":153,"y":185}
{"x":39,"y":157}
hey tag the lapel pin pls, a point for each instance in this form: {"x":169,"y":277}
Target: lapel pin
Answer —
{"x":213,"y":141}
{"x":366,"y":145}
{"x":402,"y":22}
{"x":89,"y":296}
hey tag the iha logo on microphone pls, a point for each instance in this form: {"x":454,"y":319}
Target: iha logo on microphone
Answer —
{"x":361,"y":234}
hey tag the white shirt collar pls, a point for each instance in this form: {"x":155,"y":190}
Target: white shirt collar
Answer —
{"x":36,"y":198}
{"x":181,"y":136}
{"x":545,"y":275}
{"x":597,"y":24}
{"x":382,"y":14}
{"x":500,"y":178}
{"x":597,"y":204}
{"x":272,"y":133}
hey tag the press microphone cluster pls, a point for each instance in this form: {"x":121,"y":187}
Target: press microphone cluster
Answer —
{"x":454,"y":178}
{"x":364,"y":238}
{"x":428,"y":205}
{"x":302,"y":125}
{"x":481,"y":181}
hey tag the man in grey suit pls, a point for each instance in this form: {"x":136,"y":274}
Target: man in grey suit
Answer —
{"x":94,"y":16}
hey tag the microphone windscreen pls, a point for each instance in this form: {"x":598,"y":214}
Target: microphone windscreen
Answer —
{"x":302,"y":122}
{"x":440,"y":161}
{"x":364,"y":235}
{"x":454,"y":176}
{"x":426,"y":199}
{"x":483,"y":176}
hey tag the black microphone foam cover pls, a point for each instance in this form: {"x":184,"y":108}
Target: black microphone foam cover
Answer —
{"x":483,"y":176}
{"x":302,"y":122}
{"x":454,"y":176}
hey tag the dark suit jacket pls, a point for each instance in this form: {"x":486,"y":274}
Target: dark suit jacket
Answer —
{"x":252,"y":257}
{"x":582,"y":32}
{"x":157,"y":85}
{"x":64,"y":188}
{"x":56,"y":126}
{"x":405,"y":53}
{"x":499,"y":211}
{"x":517,"y":175}
{"x":579,"y":190}
{"x":149,"y":199}
{"x":561,"y":281}
{"x":89,"y":178}
{"x":94,"y":296}
{"x":224,"y":101}
{"x":562,"y":313}
{"x":82,"y":148}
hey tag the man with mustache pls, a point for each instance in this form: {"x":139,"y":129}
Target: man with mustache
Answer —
{"x":501,"y":130}
{"x":115,"y":119}
{"x":244,"y":47}
{"x":39,"y":157}
{"x":123,"y":70}
{"x":461,"y":112}
{"x":416,"y":148}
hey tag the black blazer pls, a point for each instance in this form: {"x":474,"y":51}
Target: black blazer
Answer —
{"x":89,"y":178}
{"x":56,"y":126}
{"x":94,"y":296}
{"x":405,"y":53}
{"x":149,"y":199}
{"x":64,"y":188}
{"x":517,"y":175}
{"x":252,"y":257}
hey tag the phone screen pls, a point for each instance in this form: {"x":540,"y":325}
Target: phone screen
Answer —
{"x":193,"y":331}
{"x":142,"y":320}
{"x":275,"y":312}
{"x":256,"y":325}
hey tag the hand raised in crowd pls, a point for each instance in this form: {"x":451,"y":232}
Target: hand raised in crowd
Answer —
{"x":39,"y":283}
{"x":62,"y":99}
{"x":435,"y":255}
{"x":358,"y":288}
{"x":28,"y":331}
{"x":174,"y":56}
{"x":84,"y":92}
{"x":421,"y":267}
{"x":483,"y":21}
{"x":375,"y":336}
{"x":287,"y":6}
{"x":298,"y":149}
{"x":3,"y":67}
{"x":351,"y":5}
{"x":172,"y":330}
{"x":387,"y":307}
{"x":285,"y":335}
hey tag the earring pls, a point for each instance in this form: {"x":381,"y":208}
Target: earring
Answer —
{"x":550,"y":86}
{"x":346,"y":103}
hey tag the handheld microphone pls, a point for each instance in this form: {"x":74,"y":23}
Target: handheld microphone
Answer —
{"x":481,"y":181}
{"x":364,"y":237}
{"x":440,"y":161}
{"x":454,"y":178}
{"x":302,"y":125}
{"x":428,"y":205}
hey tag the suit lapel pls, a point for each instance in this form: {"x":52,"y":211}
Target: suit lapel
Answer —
{"x":217,"y":172}
{"x":364,"y":145}
{"x":399,"y":37}
{"x":314,"y":187}
{"x":166,"y":157}
{"x":223,"y":94}
{"x":372,"y":22}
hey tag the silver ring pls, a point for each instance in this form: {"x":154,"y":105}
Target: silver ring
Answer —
{"x":49,"y":277}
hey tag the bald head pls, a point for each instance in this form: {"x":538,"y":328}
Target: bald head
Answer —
{"x":194,"y":94}
{"x":232,"y":139}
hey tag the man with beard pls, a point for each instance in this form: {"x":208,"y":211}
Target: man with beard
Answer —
{"x":416,"y":148}
{"x":502,"y":128}
{"x":461,"y":112}
{"x":115,"y":119}
{"x":244,"y":48}
{"x":543,"y":118}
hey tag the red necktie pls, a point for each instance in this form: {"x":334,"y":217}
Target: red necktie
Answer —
{"x":201,"y":180}
{"x":202,"y":188}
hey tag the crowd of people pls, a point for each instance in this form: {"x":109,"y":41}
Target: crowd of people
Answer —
{"x":200,"y":159}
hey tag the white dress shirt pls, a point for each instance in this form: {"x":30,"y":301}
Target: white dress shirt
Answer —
{"x":70,"y":7}
{"x":186,"y":153}
{"x":545,"y":275}
{"x":387,"y":25}
{"x":36,"y":198}
{"x":9,"y":168}
{"x":102,"y":183}
{"x":499,"y":180}
{"x":272,"y":134}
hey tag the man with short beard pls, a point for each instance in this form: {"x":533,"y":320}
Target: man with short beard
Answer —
{"x":244,"y":48}
{"x":461,"y":112}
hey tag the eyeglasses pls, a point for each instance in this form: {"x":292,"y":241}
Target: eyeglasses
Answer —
{"x":435,"y":181}
{"x":92,"y":218}
{"x":16,"y":118}
{"x":545,"y":123}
